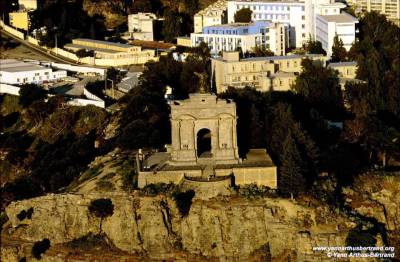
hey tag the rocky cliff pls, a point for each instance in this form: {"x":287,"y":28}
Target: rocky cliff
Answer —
{"x":376,"y":196}
{"x":152,"y":227}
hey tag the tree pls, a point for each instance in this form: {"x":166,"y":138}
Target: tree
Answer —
{"x":172,"y":26}
{"x":101,"y":208}
{"x":30,"y":93}
{"x":320,"y":87}
{"x":291,"y":179}
{"x":81,"y":53}
{"x":243,"y":15}
{"x":339,"y":53}
{"x":260,"y":51}
{"x":115,"y":75}
{"x":314,"y":47}
{"x":40,"y":247}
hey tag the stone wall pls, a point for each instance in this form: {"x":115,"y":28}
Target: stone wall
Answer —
{"x":262,"y":176}
{"x":146,"y":178}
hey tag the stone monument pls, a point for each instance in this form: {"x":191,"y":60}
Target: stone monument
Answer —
{"x":203,"y":154}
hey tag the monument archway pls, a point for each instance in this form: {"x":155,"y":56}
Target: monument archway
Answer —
{"x":203,"y":126}
{"x":204,"y":145}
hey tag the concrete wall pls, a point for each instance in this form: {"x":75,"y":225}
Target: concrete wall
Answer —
{"x":85,"y":102}
{"x":79,"y":69}
{"x":9,"y":89}
{"x":11,"y":30}
{"x":65,"y":53}
{"x":262,"y":176}
{"x":32,"y":40}
{"x":146,"y":178}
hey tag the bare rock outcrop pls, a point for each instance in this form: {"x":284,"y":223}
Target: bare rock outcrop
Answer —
{"x":377,"y":196}
{"x":154,"y":227}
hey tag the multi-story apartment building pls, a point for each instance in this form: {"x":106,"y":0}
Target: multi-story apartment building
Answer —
{"x":246,"y":36}
{"x":290,"y":13}
{"x":263,"y":73}
{"x":298,"y":16}
{"x":346,"y":70}
{"x":390,"y":8}
{"x":29,"y":4}
{"x":328,"y":26}
{"x":141,"y":26}
{"x":214,"y":14}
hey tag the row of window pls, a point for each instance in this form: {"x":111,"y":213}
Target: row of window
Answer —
{"x":266,"y":7}
{"x":25,"y":79}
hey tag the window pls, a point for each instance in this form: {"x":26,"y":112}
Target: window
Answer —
{"x":36,"y":74}
{"x":303,"y":17}
{"x":302,"y":8}
{"x":303,"y":26}
{"x":18,"y":80}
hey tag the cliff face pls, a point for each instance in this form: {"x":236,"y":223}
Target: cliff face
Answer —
{"x":154,"y":227}
{"x":113,"y":11}
{"x":377,"y":196}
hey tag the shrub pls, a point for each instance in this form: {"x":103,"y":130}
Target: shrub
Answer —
{"x":105,"y":185}
{"x":40,"y":248}
{"x":183,"y":201}
{"x":25,"y":214}
{"x":89,"y":242}
{"x":252,"y":191}
{"x":160,"y":188}
{"x":30,"y":93}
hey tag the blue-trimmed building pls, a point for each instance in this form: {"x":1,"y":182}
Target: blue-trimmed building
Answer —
{"x":244,"y":36}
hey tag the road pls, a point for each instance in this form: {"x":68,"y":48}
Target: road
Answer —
{"x":44,"y":53}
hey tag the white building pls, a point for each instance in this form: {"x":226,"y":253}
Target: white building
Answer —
{"x":18,"y":72}
{"x":215,"y":14}
{"x":141,"y":26}
{"x":231,"y":37}
{"x":342,"y":25}
{"x":389,"y":8}
{"x":298,"y":16}
{"x":28,"y":4}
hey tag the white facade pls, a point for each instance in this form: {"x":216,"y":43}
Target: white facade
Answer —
{"x":289,"y":13}
{"x":246,"y":36}
{"x":28,"y":4}
{"x":328,"y":26}
{"x":17,"y":72}
{"x":141,"y":26}
{"x":214,"y":14}
{"x":389,"y":8}
{"x":298,"y":16}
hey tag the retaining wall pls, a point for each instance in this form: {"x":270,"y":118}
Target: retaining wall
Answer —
{"x":9,"y":89}
{"x":12,"y":30}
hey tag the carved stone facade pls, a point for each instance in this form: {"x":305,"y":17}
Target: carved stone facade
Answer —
{"x":199,"y":120}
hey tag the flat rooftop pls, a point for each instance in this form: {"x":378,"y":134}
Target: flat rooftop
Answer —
{"x":13,"y":65}
{"x":101,"y":50}
{"x":268,"y":58}
{"x":254,"y":158}
{"x":267,"y":1}
{"x":103,"y":42}
{"x":339,"y":64}
{"x":342,"y":18}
